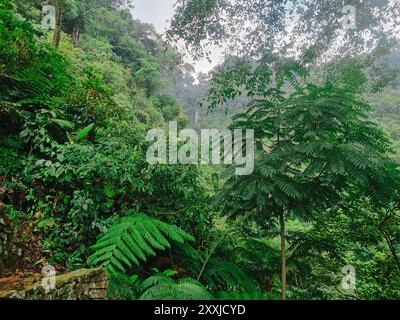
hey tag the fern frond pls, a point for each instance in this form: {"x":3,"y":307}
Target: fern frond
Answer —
{"x":132,"y":239}
{"x":164,"y":288}
{"x":156,"y":280}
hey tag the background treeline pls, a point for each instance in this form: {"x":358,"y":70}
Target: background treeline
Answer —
{"x":74,"y":176}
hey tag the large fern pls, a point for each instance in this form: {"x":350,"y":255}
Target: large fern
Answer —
{"x":160,"y":287}
{"x":132,"y":240}
{"x":217,"y":273}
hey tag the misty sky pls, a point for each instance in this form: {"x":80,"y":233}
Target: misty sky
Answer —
{"x":157,"y":12}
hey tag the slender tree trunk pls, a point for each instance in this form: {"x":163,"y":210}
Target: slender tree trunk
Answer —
{"x":283,"y":254}
{"x":59,"y":16}
{"x":76,"y":36}
{"x":391,"y":248}
{"x":389,"y":241}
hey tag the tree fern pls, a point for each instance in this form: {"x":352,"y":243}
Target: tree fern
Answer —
{"x":132,"y":240}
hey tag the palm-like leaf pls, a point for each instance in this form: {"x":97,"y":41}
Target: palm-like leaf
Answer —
{"x":132,"y":240}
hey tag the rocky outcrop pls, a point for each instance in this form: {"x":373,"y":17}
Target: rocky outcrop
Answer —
{"x":9,"y":252}
{"x":82,"y":284}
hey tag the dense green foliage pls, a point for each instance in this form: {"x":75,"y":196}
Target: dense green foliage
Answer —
{"x":73,"y":172}
{"x":312,"y":29}
{"x":315,"y":146}
{"x":131,"y":240}
{"x":73,"y":135}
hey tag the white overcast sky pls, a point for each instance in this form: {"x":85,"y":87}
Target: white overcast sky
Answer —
{"x":158,"y":12}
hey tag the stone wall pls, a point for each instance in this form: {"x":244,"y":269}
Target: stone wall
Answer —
{"x":8,"y":249}
{"x":82,"y":284}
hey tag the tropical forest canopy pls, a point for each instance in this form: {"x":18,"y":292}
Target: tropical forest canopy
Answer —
{"x":77,"y":101}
